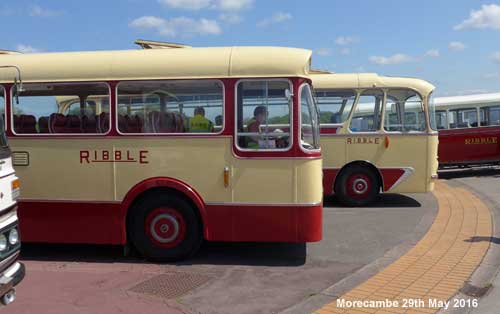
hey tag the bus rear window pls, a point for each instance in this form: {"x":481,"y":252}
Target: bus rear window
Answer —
{"x":263,"y":115}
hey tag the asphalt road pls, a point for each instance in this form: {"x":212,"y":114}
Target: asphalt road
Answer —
{"x":228,"y":277}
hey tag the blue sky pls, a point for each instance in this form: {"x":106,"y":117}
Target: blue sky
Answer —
{"x":455,"y":44}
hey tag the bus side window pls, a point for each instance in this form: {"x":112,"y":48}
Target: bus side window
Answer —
{"x":335,"y":105}
{"x":61,"y":108}
{"x":404,"y":111}
{"x":490,"y":115}
{"x":263,"y":115}
{"x":164,"y":107}
{"x":368,"y":113}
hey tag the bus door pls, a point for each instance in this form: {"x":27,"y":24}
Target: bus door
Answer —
{"x":387,"y":128}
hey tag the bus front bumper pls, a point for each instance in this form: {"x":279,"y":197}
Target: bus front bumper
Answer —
{"x":11,"y":277}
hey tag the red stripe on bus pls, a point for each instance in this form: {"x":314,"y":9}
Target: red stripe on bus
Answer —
{"x":103,"y":223}
{"x":390,"y":176}
{"x":71,"y":222}
{"x":265,"y":223}
{"x":469,"y":146}
{"x":329,"y":176}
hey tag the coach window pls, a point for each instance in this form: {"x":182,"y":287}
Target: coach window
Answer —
{"x":404,"y":111}
{"x":368,"y":113}
{"x":263,"y":115}
{"x":492,"y":115}
{"x":441,"y":120}
{"x":2,"y":104}
{"x":60,"y":108}
{"x":189,"y":106}
{"x":335,"y":105}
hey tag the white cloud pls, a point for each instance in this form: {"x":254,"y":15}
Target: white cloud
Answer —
{"x":456,"y":46}
{"x":496,"y":57}
{"x":230,"y":18}
{"x":26,"y":48}
{"x":278,"y":17}
{"x":186,"y":4}
{"x":346,"y":40}
{"x":177,"y":26}
{"x":487,"y":17}
{"x":345,"y":51}
{"x":433,"y":53}
{"x":37,"y":10}
{"x":394,"y":59}
{"x":324,"y":52}
{"x":233,"y":5}
{"x":222,"y":5}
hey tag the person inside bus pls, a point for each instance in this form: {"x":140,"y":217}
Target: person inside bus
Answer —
{"x":200,"y":124}
{"x":253,"y":126}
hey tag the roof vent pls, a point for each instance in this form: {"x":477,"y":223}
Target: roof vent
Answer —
{"x":9,"y":52}
{"x":150,"y":44}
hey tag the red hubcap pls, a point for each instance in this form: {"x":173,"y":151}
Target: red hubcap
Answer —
{"x":165,"y":227}
{"x":359,"y":186}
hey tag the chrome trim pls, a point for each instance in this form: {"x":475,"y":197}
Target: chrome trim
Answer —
{"x":9,"y":259}
{"x":12,"y":270}
{"x":8,"y":219}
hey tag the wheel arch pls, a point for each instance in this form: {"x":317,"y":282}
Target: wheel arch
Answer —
{"x":362,"y":163}
{"x":167,"y":185}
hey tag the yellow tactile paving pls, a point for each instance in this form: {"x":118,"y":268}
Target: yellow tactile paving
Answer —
{"x":435,"y":268}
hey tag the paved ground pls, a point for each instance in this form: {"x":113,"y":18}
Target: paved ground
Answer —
{"x":230,"y":278}
{"x":433,"y":271}
{"x":484,"y":182}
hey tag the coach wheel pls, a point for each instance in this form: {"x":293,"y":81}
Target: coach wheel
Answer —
{"x":357,"y":186}
{"x":164,"y":227}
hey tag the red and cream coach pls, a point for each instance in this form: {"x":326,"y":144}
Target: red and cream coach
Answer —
{"x":166,"y":147}
{"x":469,"y":129}
{"x":377,"y":134}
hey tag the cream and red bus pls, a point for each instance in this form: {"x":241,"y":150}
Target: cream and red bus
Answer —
{"x":377,"y":135}
{"x":163,"y":148}
{"x":469,"y":130}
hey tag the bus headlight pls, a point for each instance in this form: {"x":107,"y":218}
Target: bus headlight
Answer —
{"x":3,"y":242}
{"x":16,"y":191}
{"x":13,"y":236}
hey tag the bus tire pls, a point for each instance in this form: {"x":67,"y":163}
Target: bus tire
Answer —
{"x":357,"y":186}
{"x":165,"y":228}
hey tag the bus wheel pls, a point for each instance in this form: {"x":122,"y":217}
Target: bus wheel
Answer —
{"x":357,"y":186}
{"x":164,"y":227}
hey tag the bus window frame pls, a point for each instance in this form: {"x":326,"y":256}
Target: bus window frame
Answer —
{"x":355,"y":107}
{"x":446,"y":117}
{"x":463,"y":109}
{"x":291,"y":105}
{"x":340,"y":124}
{"x":318,"y":135}
{"x":12,"y":101}
{"x":117,"y":129}
{"x":425,"y":109}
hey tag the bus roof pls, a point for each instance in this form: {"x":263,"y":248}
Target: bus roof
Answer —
{"x":467,"y":99}
{"x":369,"y":80}
{"x":214,"y":62}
